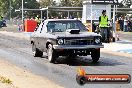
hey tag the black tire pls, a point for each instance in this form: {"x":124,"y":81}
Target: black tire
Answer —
{"x":95,"y":54}
{"x":36,"y":52}
{"x":52,"y":54}
{"x":115,"y":39}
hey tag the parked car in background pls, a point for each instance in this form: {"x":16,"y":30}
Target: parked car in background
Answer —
{"x":3,"y":23}
{"x":65,"y":37}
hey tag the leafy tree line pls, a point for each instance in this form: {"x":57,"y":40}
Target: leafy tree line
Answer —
{"x":7,"y":5}
{"x":11,"y":5}
{"x":62,"y":3}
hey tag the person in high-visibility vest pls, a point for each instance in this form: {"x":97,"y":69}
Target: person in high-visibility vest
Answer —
{"x":37,"y":19}
{"x":103,"y":24}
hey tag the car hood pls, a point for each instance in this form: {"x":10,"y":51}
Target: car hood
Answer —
{"x":81,"y":34}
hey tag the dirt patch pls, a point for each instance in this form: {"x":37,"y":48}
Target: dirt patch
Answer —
{"x":10,"y":28}
{"x":21,"y":35}
{"x":23,"y":79}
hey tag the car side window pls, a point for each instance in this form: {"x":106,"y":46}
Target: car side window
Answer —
{"x":50,"y":26}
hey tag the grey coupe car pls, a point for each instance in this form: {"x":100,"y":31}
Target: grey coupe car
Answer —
{"x":65,"y":37}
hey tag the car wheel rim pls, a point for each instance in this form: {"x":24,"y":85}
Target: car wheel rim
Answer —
{"x":50,"y":51}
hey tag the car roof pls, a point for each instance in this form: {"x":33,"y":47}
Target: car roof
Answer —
{"x":61,"y":20}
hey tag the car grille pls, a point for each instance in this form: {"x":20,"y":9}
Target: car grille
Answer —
{"x":79,"y":42}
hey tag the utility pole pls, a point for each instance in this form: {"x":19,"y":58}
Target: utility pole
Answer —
{"x":22,"y":12}
{"x":10,"y":9}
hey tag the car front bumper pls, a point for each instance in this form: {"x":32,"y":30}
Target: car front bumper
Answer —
{"x":77,"y":46}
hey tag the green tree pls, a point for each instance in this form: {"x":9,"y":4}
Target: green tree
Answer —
{"x":65,"y":3}
{"x":4,"y":6}
{"x":48,"y":3}
{"x":7,"y":5}
{"x":74,"y":3}
{"x":45,"y":3}
{"x":27,"y":4}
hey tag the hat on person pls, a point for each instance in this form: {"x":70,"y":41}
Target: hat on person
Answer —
{"x":103,"y":11}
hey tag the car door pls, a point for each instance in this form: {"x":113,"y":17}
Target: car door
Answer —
{"x":42,"y":38}
{"x":37,"y":36}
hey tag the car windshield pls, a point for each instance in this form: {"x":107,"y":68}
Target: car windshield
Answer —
{"x":62,"y":26}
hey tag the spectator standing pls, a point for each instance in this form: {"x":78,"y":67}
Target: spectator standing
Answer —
{"x":103,"y":24}
{"x":130,"y":25}
{"x":37,"y":19}
{"x":125,"y":24}
{"x":121,"y":22}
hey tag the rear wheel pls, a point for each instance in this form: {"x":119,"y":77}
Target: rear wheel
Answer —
{"x":95,"y":54}
{"x":36,"y":52}
{"x":52,"y":54}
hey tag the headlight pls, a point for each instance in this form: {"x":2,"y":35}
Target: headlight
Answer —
{"x":97,"y":41}
{"x":60,"y":41}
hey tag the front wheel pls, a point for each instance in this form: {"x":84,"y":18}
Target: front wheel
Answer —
{"x":95,"y":54}
{"x":52,"y":55}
